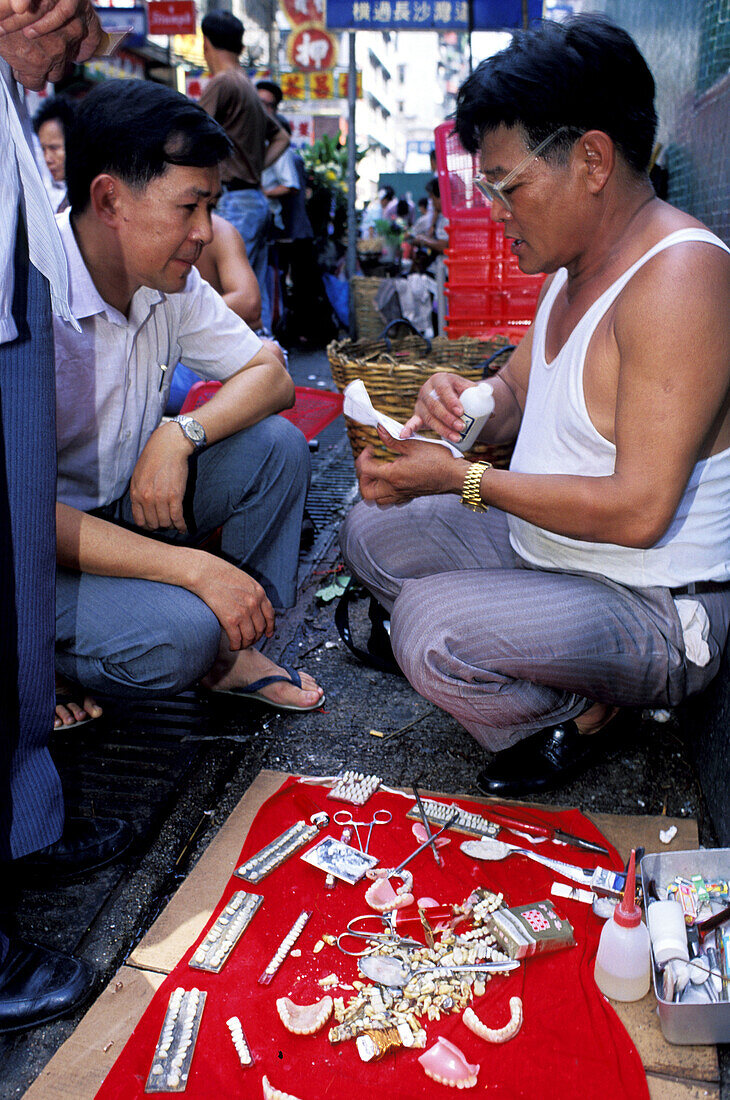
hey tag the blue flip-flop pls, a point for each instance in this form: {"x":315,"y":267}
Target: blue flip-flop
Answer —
{"x":253,"y":691}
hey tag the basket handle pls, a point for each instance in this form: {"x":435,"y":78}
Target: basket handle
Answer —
{"x":486,"y":372}
{"x":403,"y":321}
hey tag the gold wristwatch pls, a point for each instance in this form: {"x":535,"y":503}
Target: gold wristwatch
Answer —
{"x":470,"y":496}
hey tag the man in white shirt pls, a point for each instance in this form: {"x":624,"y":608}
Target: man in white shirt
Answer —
{"x":139,"y":614}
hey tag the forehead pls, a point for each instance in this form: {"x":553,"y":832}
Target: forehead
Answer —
{"x":502,"y":149}
{"x":51,"y":130}
{"x":180,"y":181}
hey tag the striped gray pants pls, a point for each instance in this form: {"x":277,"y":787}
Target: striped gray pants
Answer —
{"x":508,"y":649}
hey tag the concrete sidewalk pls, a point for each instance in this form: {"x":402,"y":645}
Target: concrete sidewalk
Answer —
{"x":176,"y":768}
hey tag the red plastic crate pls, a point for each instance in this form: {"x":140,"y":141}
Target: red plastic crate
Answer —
{"x":476,"y":234}
{"x":456,"y":170}
{"x":493,"y":303}
{"x":476,"y":267}
{"x":314,"y":408}
{"x":456,"y":328}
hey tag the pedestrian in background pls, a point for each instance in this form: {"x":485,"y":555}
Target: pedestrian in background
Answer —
{"x":258,"y":140}
{"x":51,"y":123}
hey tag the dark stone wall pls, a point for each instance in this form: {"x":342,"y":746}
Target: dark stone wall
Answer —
{"x":687,"y":46}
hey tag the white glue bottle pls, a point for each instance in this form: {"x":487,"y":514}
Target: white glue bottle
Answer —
{"x":623,"y":962}
{"x":478,"y":405}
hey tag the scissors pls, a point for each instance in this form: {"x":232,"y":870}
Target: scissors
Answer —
{"x":380,"y":817}
{"x":391,"y":936}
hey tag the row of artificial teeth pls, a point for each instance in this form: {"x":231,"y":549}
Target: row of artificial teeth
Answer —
{"x":288,"y":942}
{"x":220,"y":940}
{"x":275,"y":853}
{"x":239,"y":1041}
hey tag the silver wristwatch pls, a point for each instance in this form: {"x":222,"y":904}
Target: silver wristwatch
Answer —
{"x":193,"y":431}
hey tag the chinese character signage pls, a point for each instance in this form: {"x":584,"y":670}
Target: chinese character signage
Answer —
{"x":303,"y":11}
{"x":311,"y":49}
{"x":414,"y":15}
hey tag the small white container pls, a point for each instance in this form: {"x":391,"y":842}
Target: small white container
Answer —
{"x":478,"y":405}
{"x":623,"y":961}
{"x":668,"y":931}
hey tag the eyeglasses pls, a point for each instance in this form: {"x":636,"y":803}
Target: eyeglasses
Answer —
{"x":496,"y":191}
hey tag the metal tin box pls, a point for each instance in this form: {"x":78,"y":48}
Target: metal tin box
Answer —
{"x":690,"y":1023}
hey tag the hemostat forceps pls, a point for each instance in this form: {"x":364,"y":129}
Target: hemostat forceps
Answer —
{"x":380,"y":817}
{"x":385,"y":922}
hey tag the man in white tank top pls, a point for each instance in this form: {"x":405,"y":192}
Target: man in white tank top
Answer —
{"x":594,"y":574}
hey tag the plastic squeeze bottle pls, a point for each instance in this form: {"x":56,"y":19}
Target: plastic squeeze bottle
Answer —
{"x":623,"y":962}
{"x":478,"y":405}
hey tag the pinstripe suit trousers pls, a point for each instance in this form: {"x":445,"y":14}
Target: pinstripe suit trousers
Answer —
{"x":31,"y":803}
{"x":508,"y":649}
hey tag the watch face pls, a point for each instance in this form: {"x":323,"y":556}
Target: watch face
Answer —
{"x":193,"y":430}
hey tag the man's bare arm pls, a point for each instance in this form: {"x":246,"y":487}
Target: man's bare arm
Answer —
{"x":92,"y":545}
{"x":239,"y":286}
{"x":278,"y":145}
{"x":672,"y":408}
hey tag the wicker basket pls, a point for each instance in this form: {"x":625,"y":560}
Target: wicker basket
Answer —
{"x":394,"y":371}
{"x":369,"y":324}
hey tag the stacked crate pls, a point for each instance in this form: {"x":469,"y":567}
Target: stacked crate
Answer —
{"x":487,"y":293}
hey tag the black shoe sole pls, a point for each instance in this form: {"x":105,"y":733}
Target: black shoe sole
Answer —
{"x":69,"y":1011}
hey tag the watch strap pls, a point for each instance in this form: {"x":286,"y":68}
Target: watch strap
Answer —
{"x":470,"y":495}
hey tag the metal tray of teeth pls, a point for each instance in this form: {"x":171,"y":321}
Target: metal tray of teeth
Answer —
{"x":174,"y":1051}
{"x":438,"y":813}
{"x":270,"y":857}
{"x":220,"y":939}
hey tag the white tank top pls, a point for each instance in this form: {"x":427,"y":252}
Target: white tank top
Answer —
{"x":557,"y":436}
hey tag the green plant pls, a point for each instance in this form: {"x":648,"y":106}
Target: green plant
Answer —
{"x":326,"y":164}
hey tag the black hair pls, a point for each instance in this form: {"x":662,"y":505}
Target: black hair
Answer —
{"x":423,"y":201}
{"x":54,"y":109}
{"x":223,"y":30}
{"x":387,"y":192}
{"x":134,"y":129}
{"x":402,"y":209}
{"x":274,"y":89}
{"x":584,"y":74}
{"x":433,"y":188}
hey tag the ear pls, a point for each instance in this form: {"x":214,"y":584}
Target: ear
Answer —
{"x":104,"y":197}
{"x":596,"y":157}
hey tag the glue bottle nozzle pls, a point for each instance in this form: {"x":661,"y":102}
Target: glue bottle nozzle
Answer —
{"x":627,"y":913}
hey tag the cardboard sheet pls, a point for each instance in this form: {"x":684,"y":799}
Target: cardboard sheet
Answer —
{"x":80,"y":1065}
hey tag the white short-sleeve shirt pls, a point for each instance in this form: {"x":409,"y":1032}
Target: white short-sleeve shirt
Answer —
{"x":111,"y":389}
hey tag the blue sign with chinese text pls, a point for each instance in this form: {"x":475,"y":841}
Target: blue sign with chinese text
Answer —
{"x":426,"y":15}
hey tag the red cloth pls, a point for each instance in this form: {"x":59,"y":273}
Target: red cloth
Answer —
{"x":571,"y":1044}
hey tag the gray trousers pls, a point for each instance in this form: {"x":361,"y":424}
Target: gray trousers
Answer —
{"x":507,"y":649}
{"x":134,"y":638}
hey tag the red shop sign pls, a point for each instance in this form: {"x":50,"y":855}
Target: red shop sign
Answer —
{"x":171,"y":17}
{"x":311,"y":49}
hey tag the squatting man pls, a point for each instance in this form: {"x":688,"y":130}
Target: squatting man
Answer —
{"x":140,"y":608}
{"x":594,"y":574}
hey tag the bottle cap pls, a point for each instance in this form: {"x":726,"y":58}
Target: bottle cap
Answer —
{"x":627,"y":913}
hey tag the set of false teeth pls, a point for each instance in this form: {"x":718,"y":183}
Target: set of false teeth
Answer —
{"x":273,"y":855}
{"x":354,"y":787}
{"x":285,"y":947}
{"x":174,"y":1051}
{"x":439,"y":812}
{"x":223,"y":936}
{"x":240,"y":1042}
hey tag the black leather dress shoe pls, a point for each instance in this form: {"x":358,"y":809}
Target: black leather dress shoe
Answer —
{"x":542,"y":761}
{"x":38,"y":985}
{"x":86,"y":845}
